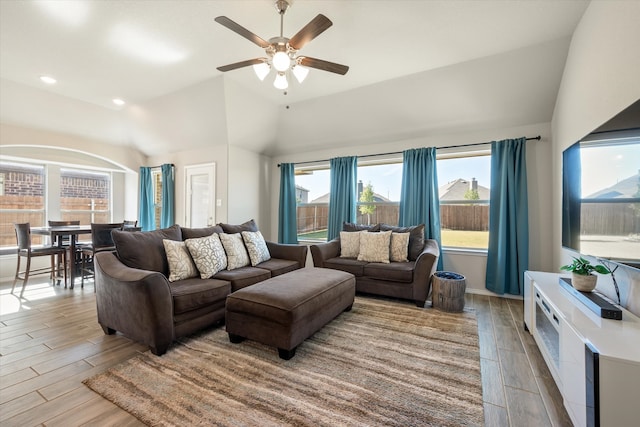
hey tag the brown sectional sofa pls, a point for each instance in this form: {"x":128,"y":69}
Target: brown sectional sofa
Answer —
{"x":406,"y":280}
{"x":135,"y":297}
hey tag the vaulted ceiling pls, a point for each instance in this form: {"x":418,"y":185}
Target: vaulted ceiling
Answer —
{"x":416,"y":67}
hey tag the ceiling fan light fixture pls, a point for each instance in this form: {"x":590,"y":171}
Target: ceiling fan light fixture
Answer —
{"x":281,"y":61}
{"x":300,"y":72}
{"x":262,"y":70}
{"x":281,"y":81}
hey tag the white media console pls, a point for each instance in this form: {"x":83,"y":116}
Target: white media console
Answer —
{"x":595,"y":362}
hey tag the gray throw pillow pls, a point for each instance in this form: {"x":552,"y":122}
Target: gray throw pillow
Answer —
{"x":144,"y":249}
{"x":245,"y":226}
{"x":416,"y":238}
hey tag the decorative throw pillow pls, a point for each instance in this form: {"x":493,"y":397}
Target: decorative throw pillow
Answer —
{"x":256,"y":246}
{"x":208,"y":254}
{"x":236,"y":252}
{"x":399,"y":249}
{"x":416,"y":238}
{"x":349,"y":244}
{"x":245,"y":226}
{"x":181,"y":265}
{"x":374,"y":247}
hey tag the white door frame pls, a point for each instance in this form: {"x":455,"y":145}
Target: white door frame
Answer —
{"x":210,"y":169}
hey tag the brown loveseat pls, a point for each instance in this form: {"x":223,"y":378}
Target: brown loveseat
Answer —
{"x":409,"y":280}
{"x":135,"y":297}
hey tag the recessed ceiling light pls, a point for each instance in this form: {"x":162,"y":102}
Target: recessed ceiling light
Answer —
{"x":48,"y":80}
{"x":119,"y":102}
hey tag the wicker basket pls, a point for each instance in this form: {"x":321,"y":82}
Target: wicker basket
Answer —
{"x":448,"y":291}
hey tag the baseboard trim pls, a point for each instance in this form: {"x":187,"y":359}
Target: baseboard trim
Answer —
{"x":492,"y":294}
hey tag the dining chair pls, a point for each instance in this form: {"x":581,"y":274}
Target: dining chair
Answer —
{"x":101,"y":240}
{"x":130,"y":223}
{"x":65,"y":242}
{"x":23,"y":237}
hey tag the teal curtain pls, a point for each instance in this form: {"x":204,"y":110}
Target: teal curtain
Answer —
{"x":419,"y":200}
{"x":167,"y":214}
{"x":508,"y":255}
{"x":343,"y":194}
{"x":287,"y":216}
{"x":147,"y":213}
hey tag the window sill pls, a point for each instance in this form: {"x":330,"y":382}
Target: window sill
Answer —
{"x":465,"y":251}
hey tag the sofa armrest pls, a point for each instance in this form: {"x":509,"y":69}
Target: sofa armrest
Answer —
{"x":286,"y":251}
{"x":324,"y":251}
{"x":426,"y":265}
{"x":136,"y":302}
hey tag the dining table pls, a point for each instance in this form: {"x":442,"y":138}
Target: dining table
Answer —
{"x":57,"y":232}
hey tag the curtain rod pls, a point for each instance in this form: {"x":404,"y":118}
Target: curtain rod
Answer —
{"x":537,"y":138}
{"x":159,"y":166}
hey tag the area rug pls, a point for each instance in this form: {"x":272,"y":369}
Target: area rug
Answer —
{"x":384,"y":363}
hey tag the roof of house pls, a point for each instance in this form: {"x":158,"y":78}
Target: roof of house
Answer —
{"x":628,"y":187}
{"x":455,"y":190}
{"x":325,"y":198}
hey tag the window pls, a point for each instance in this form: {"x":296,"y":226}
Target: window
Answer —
{"x":312,"y":195}
{"x":378,"y":197}
{"x":74,"y":194}
{"x":464,"y":201}
{"x":85,"y":196}
{"x":610,"y":198}
{"x":22,"y":199}
{"x":379,"y":187}
{"x":156,"y":176}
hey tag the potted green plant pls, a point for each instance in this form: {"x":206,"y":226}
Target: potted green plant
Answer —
{"x":582,"y":270}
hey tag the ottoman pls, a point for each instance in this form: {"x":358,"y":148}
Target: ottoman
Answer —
{"x":285,"y":310}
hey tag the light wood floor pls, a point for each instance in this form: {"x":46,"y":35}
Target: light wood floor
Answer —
{"x":50,"y":341}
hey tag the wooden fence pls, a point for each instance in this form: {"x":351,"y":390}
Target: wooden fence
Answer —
{"x":314,"y":216}
{"x":610,"y":219}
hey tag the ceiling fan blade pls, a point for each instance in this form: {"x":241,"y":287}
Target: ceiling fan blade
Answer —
{"x":320,"y":64}
{"x":310,"y":31}
{"x":241,"y":64}
{"x":239,"y":29}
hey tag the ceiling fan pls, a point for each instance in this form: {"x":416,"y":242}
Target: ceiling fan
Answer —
{"x":282,"y":52}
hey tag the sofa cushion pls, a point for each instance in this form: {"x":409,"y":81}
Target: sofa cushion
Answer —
{"x":393,"y":272}
{"x":237,"y":255}
{"x":245,"y":226}
{"x":349,"y":244}
{"x":349,"y":265}
{"x":374,"y":247}
{"x":144,"y":250}
{"x":256,"y":246}
{"x":279,"y":266}
{"x":399,"y":248}
{"x":349,"y":226}
{"x":208,"y":254}
{"x":194,"y":233}
{"x":181,"y":265}
{"x":416,"y":238}
{"x":192,"y":294}
{"x":243,"y":277}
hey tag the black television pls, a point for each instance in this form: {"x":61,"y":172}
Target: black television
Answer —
{"x":601,"y":191}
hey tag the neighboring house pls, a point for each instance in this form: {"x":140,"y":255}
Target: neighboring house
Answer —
{"x":302,"y":194}
{"x":627,"y":188}
{"x":377,"y":198}
{"x":455,"y":190}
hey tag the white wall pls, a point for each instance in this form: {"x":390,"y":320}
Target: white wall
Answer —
{"x":217,"y":154}
{"x":600,"y":79}
{"x":249,"y":186}
{"x":472,"y":265}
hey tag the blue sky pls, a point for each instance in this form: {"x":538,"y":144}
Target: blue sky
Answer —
{"x":603,"y":167}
